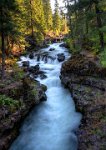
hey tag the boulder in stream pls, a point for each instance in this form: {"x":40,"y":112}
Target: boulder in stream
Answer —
{"x":51,"y":49}
{"x":34,"y":69}
{"x":43,"y":76}
{"x":25,"y":63}
{"x":61,"y":57}
{"x":31,"y":55}
{"x":64,"y":45}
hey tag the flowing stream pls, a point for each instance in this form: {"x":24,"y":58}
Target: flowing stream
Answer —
{"x":52,"y":124}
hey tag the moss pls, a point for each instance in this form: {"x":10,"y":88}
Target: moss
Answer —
{"x":33,"y":92}
{"x":44,"y":87}
{"x":7,"y":101}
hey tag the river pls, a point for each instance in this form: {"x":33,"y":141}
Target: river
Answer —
{"x":52,"y":124}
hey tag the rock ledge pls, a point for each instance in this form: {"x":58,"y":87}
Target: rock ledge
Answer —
{"x":86,"y":81}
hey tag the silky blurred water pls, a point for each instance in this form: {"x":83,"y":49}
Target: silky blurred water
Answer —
{"x":51,"y":124}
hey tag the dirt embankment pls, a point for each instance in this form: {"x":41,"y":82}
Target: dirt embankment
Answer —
{"x":86,"y":80}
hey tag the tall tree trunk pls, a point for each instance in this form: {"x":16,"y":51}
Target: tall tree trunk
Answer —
{"x":32,"y":30}
{"x":99,"y":24}
{"x":2,"y":46}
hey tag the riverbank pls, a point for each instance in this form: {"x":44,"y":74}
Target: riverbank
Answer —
{"x":17,"y":98}
{"x":86,"y":80}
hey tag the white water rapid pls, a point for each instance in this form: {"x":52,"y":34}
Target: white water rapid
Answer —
{"x":51,"y":124}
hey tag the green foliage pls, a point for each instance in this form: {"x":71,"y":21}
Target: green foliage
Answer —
{"x":40,"y":37}
{"x":33,"y":19}
{"x":103,"y":29}
{"x":87,"y":19}
{"x":10,"y":19}
{"x":7,"y":101}
{"x":56,"y":19}
{"x":70,"y":43}
{"x":48,"y":14}
{"x":18,"y":73}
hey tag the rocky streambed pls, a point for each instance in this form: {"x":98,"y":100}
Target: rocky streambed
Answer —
{"x":86,"y":80}
{"x":51,"y":125}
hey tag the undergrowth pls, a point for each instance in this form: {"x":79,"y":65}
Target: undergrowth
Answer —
{"x":7,"y":101}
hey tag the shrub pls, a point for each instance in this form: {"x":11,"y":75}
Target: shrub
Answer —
{"x":7,"y":101}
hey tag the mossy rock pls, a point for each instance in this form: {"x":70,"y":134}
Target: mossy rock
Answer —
{"x":44,"y":87}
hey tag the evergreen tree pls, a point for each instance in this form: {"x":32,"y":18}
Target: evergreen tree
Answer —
{"x":48,"y":14}
{"x":7,"y":25}
{"x":35,"y":20}
{"x":86,"y":21}
{"x":56,"y":19}
{"x":63,"y":19}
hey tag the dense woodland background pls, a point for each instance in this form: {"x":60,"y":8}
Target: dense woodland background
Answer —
{"x":84,"y":21}
{"x":87,"y":22}
{"x":22,"y":19}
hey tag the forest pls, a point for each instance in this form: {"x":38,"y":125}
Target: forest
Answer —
{"x":20,"y":20}
{"x":52,"y":58}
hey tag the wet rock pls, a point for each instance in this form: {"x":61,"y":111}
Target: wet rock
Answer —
{"x":38,"y":57}
{"x":25,"y":63}
{"x":36,"y":72}
{"x":31,"y":56}
{"x":44,"y":87}
{"x":43,"y":76}
{"x":51,"y":49}
{"x":42,"y":56}
{"x":64,"y":45}
{"x":61,"y":57}
{"x":42,"y":96}
{"x":34,"y":69}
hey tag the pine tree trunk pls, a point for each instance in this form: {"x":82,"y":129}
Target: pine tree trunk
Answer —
{"x":2,"y":47}
{"x":99,"y":24}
